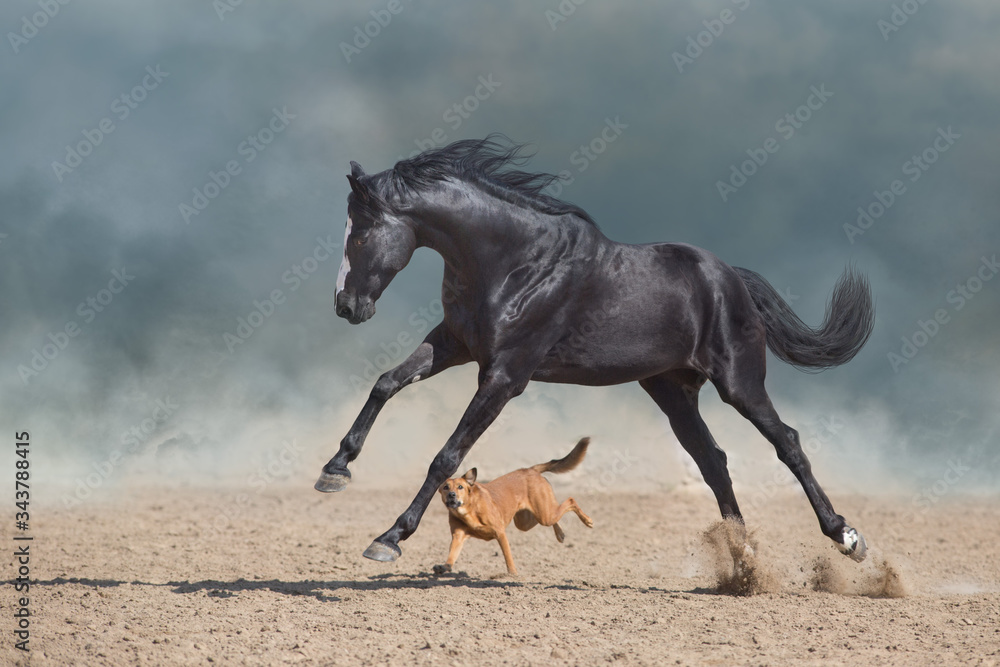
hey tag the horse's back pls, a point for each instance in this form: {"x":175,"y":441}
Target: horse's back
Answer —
{"x":647,"y":309}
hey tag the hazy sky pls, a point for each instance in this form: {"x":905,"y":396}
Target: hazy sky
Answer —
{"x":171,"y":167}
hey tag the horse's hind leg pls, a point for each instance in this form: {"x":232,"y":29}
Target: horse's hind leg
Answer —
{"x":676,"y":393}
{"x":438,"y":352}
{"x":743,"y":388}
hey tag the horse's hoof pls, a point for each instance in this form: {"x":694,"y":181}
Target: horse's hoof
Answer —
{"x":382,"y":552}
{"x":852,"y":543}
{"x":329,"y":483}
{"x":442,"y":569}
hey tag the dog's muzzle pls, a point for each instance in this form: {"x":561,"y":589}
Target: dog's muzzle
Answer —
{"x":452,"y":501}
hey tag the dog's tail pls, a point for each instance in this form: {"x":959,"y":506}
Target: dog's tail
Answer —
{"x":566,"y":463}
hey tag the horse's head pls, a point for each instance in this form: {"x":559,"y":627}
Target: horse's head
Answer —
{"x":378,"y":243}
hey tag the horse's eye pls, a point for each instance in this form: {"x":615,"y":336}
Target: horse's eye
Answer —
{"x":360,"y":240}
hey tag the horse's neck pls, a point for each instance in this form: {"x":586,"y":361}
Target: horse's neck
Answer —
{"x":478,"y":234}
{"x":467,"y":238}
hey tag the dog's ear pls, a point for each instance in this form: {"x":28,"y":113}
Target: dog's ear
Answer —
{"x":470,"y":477}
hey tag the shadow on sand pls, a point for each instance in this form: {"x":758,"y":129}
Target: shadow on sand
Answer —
{"x":324,"y":590}
{"x":321,"y":590}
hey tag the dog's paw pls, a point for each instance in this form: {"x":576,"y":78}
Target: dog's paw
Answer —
{"x":442,"y":569}
{"x":588,"y":522}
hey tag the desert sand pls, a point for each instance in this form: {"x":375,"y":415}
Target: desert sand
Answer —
{"x":145,"y":576}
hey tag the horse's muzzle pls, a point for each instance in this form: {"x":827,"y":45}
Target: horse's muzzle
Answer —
{"x":352,"y":309}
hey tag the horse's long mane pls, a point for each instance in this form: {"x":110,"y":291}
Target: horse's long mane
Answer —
{"x":485,"y":162}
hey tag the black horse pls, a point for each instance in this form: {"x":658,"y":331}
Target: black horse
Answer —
{"x":535,"y":291}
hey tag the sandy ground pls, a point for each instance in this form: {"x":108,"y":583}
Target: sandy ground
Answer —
{"x":143,"y":578}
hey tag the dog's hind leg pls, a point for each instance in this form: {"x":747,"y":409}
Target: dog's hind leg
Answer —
{"x":525,"y":520}
{"x":587,"y":521}
{"x":549,"y":514}
{"x":547,"y":511}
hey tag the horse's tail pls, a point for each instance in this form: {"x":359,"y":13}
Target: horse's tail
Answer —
{"x":566,"y":463}
{"x":847,"y":324}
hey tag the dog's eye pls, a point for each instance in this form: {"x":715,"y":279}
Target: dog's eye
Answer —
{"x":460,"y":486}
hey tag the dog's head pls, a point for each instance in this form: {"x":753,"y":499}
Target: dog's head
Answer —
{"x":455,"y":492}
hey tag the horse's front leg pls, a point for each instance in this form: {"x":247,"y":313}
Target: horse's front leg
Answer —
{"x":439,"y":351}
{"x":495,"y":390}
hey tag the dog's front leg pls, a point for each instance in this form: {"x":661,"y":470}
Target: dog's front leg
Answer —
{"x":507,"y":555}
{"x":458,"y":538}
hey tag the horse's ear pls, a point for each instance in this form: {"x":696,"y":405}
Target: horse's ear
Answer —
{"x":470,"y":477}
{"x":356,"y":170}
{"x":360,"y":191}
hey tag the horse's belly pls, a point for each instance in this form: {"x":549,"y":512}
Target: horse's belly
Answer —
{"x":594,"y":377}
{"x":629,"y":343}
{"x":600,"y":366}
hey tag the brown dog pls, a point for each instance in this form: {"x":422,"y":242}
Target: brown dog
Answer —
{"x":485,"y":510}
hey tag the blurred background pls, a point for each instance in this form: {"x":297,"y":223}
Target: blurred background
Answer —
{"x":172,"y":206}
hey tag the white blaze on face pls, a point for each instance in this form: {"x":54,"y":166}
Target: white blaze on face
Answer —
{"x":345,"y":264}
